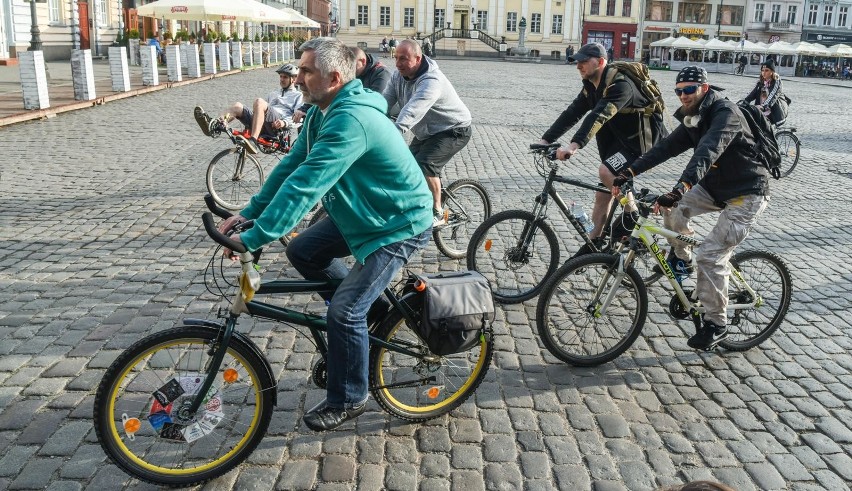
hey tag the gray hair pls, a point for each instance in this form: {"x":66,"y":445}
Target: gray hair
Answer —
{"x":332,"y":56}
{"x":413,"y":46}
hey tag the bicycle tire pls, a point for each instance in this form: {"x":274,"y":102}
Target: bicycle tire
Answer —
{"x":459,"y":374}
{"x":155,"y":353}
{"x":768,"y":276}
{"x":229,"y":190}
{"x":515,"y":273}
{"x":571,"y":288}
{"x":467,"y":204}
{"x":789,"y":147}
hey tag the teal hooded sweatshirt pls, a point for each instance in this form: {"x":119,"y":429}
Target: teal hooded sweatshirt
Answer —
{"x":353,"y":158}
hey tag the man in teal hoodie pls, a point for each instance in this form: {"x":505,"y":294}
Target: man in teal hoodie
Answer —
{"x":379,"y":210}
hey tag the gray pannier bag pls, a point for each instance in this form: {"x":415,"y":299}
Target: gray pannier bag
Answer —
{"x":457,"y":310}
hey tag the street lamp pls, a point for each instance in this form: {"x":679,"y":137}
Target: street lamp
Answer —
{"x":35,"y":41}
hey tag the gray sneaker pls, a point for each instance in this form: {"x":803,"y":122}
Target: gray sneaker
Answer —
{"x":249,"y":143}
{"x":203,"y":120}
{"x":708,"y":336}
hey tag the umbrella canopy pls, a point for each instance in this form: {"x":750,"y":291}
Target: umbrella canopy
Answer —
{"x":299,"y":20}
{"x":716,"y":45}
{"x":686,"y":43}
{"x":840,"y":51}
{"x":214,"y":10}
{"x":663,"y":43}
{"x":781,"y":48}
{"x":750,"y":47}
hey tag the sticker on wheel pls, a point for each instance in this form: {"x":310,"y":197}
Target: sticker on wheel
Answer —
{"x":172,"y":431}
{"x":169,"y":392}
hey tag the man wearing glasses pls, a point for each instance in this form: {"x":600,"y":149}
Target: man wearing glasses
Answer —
{"x":725,"y":175}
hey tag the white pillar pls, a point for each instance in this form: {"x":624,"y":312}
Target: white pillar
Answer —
{"x":193,"y":67}
{"x":33,"y":79}
{"x":134,"y":51}
{"x":256,"y":53}
{"x":209,"y":58}
{"x":237,"y":54}
{"x":81,"y":74}
{"x":118,"y":70}
{"x":173,"y":63}
{"x":184,"y":47}
{"x":224,"y":57}
{"x":248,"y":56}
{"x":148,"y":57}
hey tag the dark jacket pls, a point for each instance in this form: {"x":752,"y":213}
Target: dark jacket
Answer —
{"x":375,"y":75}
{"x":613,"y":131}
{"x":772,"y":96}
{"x":724,"y":161}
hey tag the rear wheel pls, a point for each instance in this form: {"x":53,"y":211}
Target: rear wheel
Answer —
{"x":516,"y":252}
{"x":569,"y":318}
{"x":422,"y":387}
{"x":468,"y":205}
{"x":140,"y":407}
{"x":233,"y":177}
{"x":769,"y":278}
{"x":789,"y":147}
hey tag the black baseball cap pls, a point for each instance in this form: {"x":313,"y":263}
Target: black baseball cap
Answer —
{"x":590,"y":50}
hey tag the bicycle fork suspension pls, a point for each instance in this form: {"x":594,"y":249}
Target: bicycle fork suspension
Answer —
{"x":598,"y":308}
{"x":217,"y":354}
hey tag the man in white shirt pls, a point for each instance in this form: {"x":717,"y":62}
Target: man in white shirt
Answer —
{"x":275,"y":112}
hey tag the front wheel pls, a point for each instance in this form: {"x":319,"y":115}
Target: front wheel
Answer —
{"x":140,"y":407}
{"x":467,"y":204}
{"x":789,"y":147}
{"x":768,"y":277}
{"x":233,"y":177}
{"x":419,"y":385}
{"x":569,"y":315}
{"x":516,"y":252}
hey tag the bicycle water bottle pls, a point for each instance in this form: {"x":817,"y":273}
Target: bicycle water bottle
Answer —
{"x":581,"y":216}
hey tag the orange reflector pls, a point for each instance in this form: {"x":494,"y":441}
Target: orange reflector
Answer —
{"x":446,"y":215}
{"x":488,"y":245}
{"x":419,"y":285}
{"x":132,"y":425}
{"x":294,"y":234}
{"x":433,"y":392}
{"x":230,"y":375}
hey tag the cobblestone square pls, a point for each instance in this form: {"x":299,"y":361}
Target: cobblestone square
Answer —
{"x":103,"y":244}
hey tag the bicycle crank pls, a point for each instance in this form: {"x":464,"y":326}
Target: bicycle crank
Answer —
{"x":676,"y":309}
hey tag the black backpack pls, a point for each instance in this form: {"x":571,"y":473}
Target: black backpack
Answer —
{"x":765,"y":144}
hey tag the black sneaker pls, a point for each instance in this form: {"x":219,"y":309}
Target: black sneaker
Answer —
{"x":203,"y":120}
{"x":249,"y":143}
{"x":324,"y":418}
{"x":681,"y":268}
{"x":708,"y":336}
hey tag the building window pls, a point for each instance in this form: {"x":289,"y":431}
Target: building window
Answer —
{"x":102,"y":12}
{"x":408,"y":17}
{"x":758,"y":12}
{"x":610,"y":7}
{"x":827,"y":14}
{"x":626,"y":8}
{"x":54,"y":9}
{"x":595,"y":8}
{"x":511,"y":21}
{"x":661,"y":11}
{"x":775,"y":16}
{"x":384,"y":16}
{"x":791,"y":14}
{"x":603,"y":37}
{"x":363,"y":15}
{"x":535,"y":23}
{"x":694,"y":13}
{"x":482,"y":19}
{"x":439,"y":18}
{"x":813,"y":12}
{"x":557,"y":24}
{"x":730,"y":15}
{"x":842,"y":15}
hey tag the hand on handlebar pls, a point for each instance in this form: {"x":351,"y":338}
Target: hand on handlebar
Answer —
{"x":620,"y":180}
{"x":226,"y":226}
{"x":566,"y":152}
{"x":298,"y":116}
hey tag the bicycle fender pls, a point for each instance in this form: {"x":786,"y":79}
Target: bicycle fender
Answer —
{"x":249,"y":343}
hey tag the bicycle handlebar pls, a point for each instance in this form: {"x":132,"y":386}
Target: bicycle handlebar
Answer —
{"x":213,"y":207}
{"x":218,"y":236}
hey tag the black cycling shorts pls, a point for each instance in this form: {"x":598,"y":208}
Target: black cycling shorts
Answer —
{"x":434,"y":152}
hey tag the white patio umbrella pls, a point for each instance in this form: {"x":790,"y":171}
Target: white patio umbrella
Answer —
{"x":299,"y":20}
{"x":840,"y":51}
{"x":663,"y":43}
{"x":214,"y":10}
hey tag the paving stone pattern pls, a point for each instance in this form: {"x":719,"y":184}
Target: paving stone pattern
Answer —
{"x":103,"y":244}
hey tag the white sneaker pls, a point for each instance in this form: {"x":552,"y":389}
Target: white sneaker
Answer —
{"x":438,"y":221}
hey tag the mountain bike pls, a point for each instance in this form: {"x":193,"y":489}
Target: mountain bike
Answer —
{"x":789,"y":147}
{"x":186,"y":405}
{"x":466,"y":205}
{"x":594,"y":307}
{"x":234,"y":175}
{"x":518,"y":250}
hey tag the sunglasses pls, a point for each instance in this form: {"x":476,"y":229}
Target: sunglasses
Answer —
{"x":688,"y":90}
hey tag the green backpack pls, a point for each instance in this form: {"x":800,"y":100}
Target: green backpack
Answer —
{"x":639,"y":74}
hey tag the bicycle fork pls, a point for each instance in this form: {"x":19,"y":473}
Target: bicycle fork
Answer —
{"x":598,"y":308}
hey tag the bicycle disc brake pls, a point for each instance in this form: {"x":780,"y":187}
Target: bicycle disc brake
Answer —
{"x":320,"y":373}
{"x":676,"y":309}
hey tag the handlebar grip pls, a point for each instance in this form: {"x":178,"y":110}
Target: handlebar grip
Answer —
{"x":212,"y":206}
{"x":218,"y":236}
{"x":540,"y":146}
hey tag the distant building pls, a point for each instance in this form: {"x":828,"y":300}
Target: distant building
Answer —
{"x":827,"y":22}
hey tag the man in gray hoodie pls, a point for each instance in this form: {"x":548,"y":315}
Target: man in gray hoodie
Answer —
{"x":432,"y":111}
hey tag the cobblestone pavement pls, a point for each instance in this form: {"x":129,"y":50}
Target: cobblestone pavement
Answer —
{"x":102,"y":245}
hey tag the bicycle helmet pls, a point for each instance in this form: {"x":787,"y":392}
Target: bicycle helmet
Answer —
{"x":289,"y":69}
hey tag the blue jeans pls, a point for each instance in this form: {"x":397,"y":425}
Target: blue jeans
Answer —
{"x":316,"y":254}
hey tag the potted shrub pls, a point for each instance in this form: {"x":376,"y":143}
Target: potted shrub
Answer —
{"x":235,"y":37}
{"x":167,"y":36}
{"x":257,"y":38}
{"x":223,"y":37}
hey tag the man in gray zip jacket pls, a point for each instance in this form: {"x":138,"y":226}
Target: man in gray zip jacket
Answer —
{"x":432,"y":111}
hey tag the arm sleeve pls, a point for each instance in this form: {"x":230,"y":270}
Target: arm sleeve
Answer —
{"x":569,"y":117}
{"x":390,"y":95}
{"x":308,"y":179}
{"x":774,"y":92}
{"x":672,"y":145}
{"x":427,"y":90}
{"x":753,"y":95}
{"x":724,"y":127}
{"x":616,"y":97}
